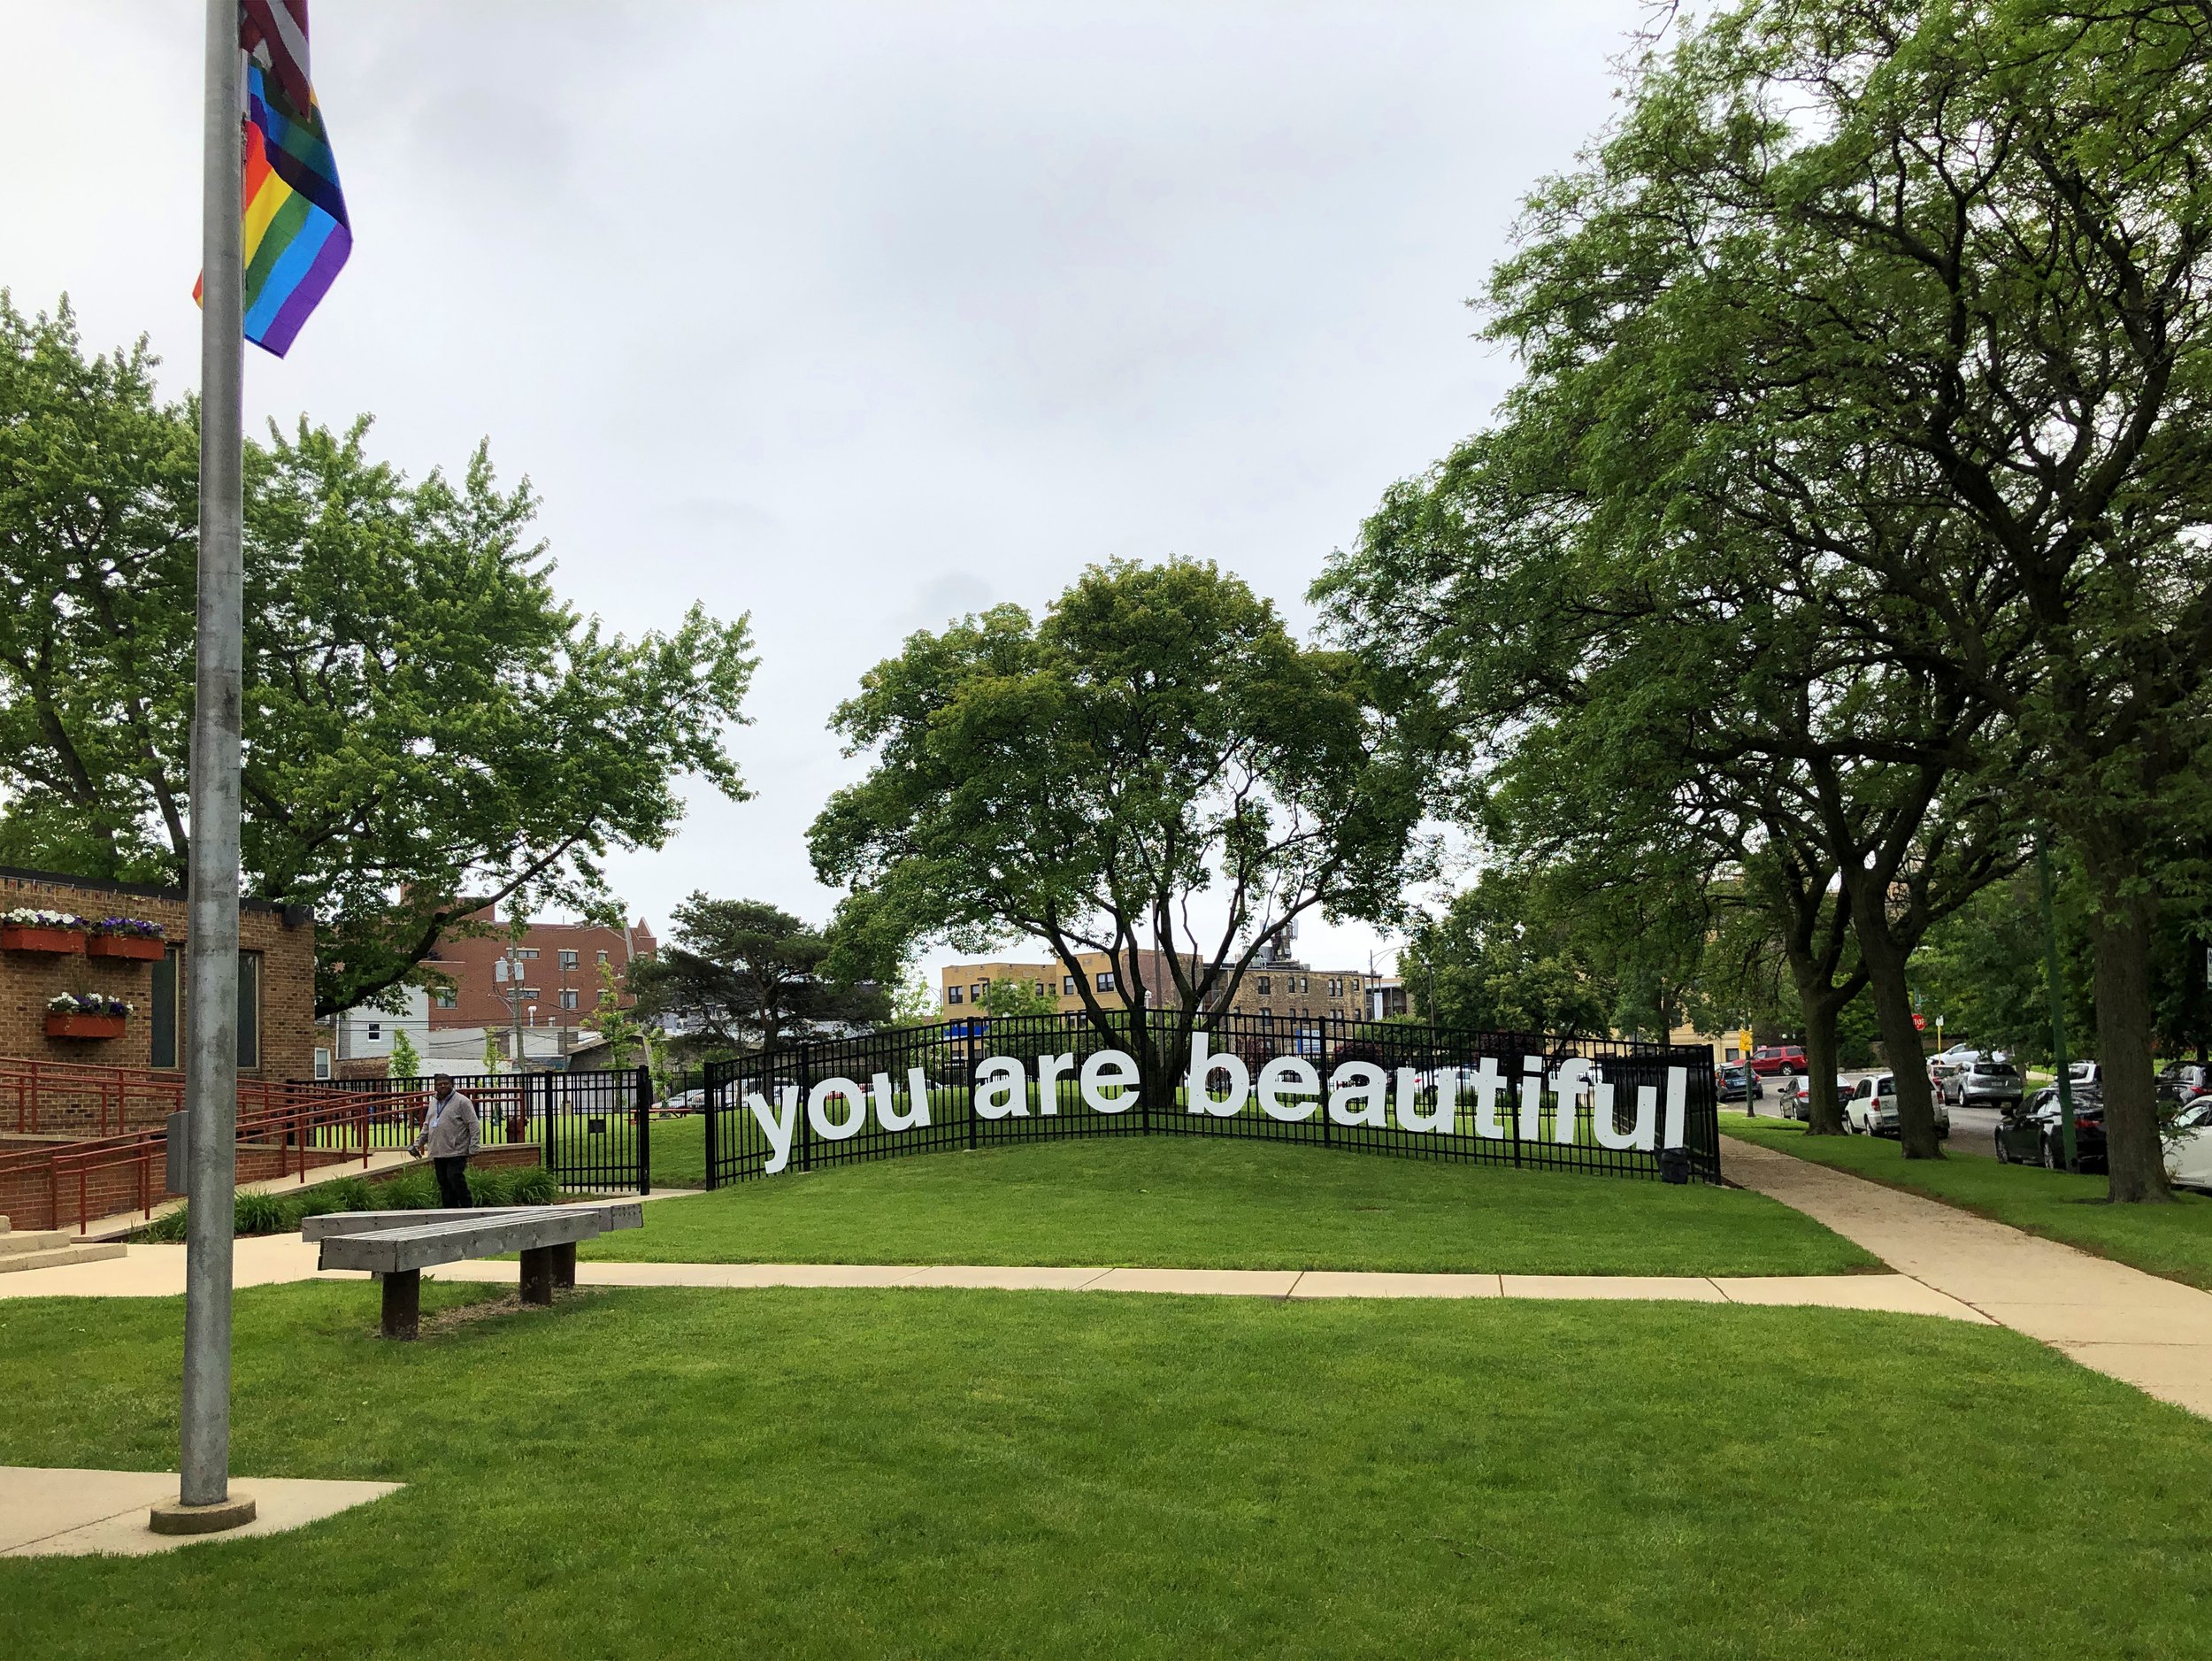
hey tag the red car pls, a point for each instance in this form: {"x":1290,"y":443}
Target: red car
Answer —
{"x":1779,"y":1059}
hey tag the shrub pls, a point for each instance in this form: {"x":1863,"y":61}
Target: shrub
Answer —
{"x":266,"y":1214}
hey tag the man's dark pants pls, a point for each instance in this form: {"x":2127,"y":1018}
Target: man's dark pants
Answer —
{"x":453,"y":1180}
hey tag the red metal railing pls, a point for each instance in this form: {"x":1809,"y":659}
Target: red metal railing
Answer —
{"x":306,"y":1126}
{"x":46,"y":1095}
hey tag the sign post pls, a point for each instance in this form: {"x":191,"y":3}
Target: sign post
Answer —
{"x":1750,"y":1079}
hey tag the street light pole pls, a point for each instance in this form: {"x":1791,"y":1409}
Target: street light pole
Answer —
{"x":204,"y":1502}
{"x":2058,"y":1004}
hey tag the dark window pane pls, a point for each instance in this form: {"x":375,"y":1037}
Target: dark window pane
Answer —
{"x":163,"y":1016}
{"x":248,"y":1009}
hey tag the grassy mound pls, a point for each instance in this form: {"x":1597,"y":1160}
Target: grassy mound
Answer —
{"x":1191,"y":1202}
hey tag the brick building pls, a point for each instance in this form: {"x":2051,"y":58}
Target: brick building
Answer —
{"x":1277,"y":986}
{"x":558,"y":964}
{"x":276,"y":980}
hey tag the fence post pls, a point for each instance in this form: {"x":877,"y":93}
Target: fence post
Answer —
{"x":644,"y":1130}
{"x":968,"y":1048}
{"x":712,"y":1100}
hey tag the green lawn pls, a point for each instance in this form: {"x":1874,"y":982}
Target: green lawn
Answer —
{"x":802,"y":1474}
{"x":679,"y":1152}
{"x":2175,"y":1240}
{"x":1193,"y":1202}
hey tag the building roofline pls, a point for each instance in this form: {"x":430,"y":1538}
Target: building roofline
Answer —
{"x":108,"y":885}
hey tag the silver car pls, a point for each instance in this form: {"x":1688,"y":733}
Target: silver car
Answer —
{"x":1984,"y":1082}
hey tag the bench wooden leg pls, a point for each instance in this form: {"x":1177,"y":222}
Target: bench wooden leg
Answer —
{"x":565,"y":1266}
{"x":537,"y":1275}
{"x":403,"y":1304}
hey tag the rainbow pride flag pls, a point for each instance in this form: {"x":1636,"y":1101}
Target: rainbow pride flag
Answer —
{"x":296,"y":235}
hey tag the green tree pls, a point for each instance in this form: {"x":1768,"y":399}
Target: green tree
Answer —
{"x":623,"y":1033}
{"x":1156,"y":766}
{"x":1011,"y":999}
{"x":744,"y":974}
{"x":406,"y":1063}
{"x":428,"y":727}
{"x":1496,"y":962}
{"x":1955,"y":257}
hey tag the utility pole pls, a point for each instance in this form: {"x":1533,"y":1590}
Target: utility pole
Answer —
{"x":2058,"y":1005}
{"x":204,"y":1503}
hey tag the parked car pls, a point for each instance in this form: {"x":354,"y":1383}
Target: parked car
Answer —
{"x":1946,"y":1062}
{"x":685,"y":1102}
{"x":1984,"y":1083}
{"x":1771,"y":1058}
{"x":2189,"y":1147}
{"x":1729,"y":1080}
{"x":2031,"y":1134}
{"x":1871,"y":1109}
{"x":1798,"y":1102}
{"x":2184,"y":1081}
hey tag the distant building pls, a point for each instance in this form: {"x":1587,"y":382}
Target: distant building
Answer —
{"x":1385,"y":998}
{"x":556,"y":980}
{"x":1277,"y":986}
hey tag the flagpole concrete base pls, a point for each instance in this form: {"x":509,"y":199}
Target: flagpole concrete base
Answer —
{"x":174,"y":1516}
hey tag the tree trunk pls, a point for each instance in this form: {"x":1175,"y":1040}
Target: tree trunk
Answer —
{"x":1884,"y":962}
{"x":2135,"y":1157}
{"x":1821,"y":1005}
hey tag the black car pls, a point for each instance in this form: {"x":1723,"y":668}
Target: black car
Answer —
{"x":2031,"y":1135}
{"x":1728,"y":1082}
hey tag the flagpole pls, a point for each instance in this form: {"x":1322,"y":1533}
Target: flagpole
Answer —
{"x":205,"y":1501}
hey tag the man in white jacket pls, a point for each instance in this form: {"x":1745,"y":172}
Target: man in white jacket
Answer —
{"x":449,"y":1135}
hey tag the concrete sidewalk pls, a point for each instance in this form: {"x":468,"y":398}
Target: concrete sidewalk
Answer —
{"x":2154,"y":1334}
{"x":270,"y":1260}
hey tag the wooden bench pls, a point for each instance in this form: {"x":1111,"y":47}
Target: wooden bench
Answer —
{"x":399,"y":1245}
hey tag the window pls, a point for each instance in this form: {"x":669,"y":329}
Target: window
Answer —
{"x":1105,"y":980}
{"x":526,"y":951}
{"x":445,"y":1000}
{"x":603,"y":956}
{"x":376,"y":1031}
{"x":979,"y":991}
{"x":164,"y":1023}
{"x":1336,"y":987}
{"x":1040,"y":989}
{"x":1265,"y":985}
{"x":1067,"y":985}
{"x":568,"y":959}
{"x":952,"y":995}
{"x":528,"y":992}
{"x":248,"y":1009}
{"x":568,"y":997}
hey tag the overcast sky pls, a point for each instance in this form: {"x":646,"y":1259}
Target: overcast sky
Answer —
{"x":857,"y":318}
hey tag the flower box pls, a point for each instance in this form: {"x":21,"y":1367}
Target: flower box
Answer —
{"x":60,"y":1025}
{"x":15,"y":938}
{"x":133,"y":946}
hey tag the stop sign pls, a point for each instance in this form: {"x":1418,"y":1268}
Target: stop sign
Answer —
{"x":1920,"y":1023}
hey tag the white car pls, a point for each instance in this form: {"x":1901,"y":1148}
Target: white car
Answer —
{"x":1872,"y":1108}
{"x":2189,"y":1150}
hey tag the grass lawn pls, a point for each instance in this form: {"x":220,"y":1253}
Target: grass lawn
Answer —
{"x":2175,"y":1240}
{"x":1202,"y":1202}
{"x":679,"y":1152}
{"x":801,"y":1474}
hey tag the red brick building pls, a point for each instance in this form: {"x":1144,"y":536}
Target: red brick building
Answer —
{"x":559,"y":966}
{"x":276,"y":980}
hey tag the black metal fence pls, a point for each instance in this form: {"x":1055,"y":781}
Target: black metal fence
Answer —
{"x":1612,"y":1107}
{"x":594,"y":1129}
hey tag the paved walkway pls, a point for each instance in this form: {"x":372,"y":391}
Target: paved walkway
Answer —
{"x":65,"y":1514}
{"x":2154,"y":1334}
{"x":269,"y":1259}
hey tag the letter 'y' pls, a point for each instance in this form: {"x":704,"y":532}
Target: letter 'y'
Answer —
{"x":777,"y":1129}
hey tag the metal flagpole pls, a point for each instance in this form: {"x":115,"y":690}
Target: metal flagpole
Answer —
{"x":211,"y":1080}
